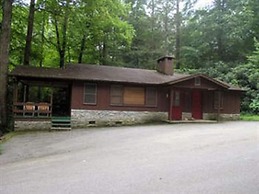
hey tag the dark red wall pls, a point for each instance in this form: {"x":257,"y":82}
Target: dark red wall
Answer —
{"x":231,"y":99}
{"x":103,"y":99}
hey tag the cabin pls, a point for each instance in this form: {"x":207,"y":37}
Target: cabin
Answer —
{"x":82,"y":95}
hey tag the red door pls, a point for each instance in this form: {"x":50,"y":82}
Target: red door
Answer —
{"x":176,"y":109}
{"x":196,"y":105}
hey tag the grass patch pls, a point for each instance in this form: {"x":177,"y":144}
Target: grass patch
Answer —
{"x":249,"y":117}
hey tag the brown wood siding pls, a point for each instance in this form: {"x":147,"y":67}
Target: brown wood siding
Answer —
{"x":231,"y":102}
{"x":103,"y":99}
{"x":208,"y":102}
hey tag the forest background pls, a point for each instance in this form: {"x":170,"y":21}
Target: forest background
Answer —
{"x":220,"y":39}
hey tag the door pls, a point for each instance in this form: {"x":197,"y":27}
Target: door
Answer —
{"x":61,"y":101}
{"x":196,"y":105}
{"x":176,"y":109}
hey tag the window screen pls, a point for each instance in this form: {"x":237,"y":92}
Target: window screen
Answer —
{"x":151,"y":96}
{"x":90,"y":93}
{"x":116,"y":95}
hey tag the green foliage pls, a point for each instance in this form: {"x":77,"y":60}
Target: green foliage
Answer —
{"x":246,"y":75}
{"x":215,"y":40}
{"x":103,"y":23}
{"x":249,"y":117}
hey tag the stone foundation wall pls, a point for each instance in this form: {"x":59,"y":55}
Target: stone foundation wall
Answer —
{"x":213,"y":116}
{"x":186,"y":116}
{"x":32,"y":125}
{"x":86,"y":118}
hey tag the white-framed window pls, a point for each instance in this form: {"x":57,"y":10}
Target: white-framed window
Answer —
{"x":116,"y":95}
{"x":90,"y":93}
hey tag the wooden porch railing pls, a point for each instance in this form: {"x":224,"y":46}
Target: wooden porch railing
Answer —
{"x":31,"y":109}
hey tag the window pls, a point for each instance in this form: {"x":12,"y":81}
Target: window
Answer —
{"x":120,"y":95}
{"x":116,"y":95}
{"x":176,"y":98}
{"x":197,"y":81}
{"x":90,"y":93}
{"x":218,"y":98}
{"x":151,"y":96}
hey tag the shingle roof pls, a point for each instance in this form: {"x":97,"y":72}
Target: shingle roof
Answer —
{"x":97,"y":73}
{"x":87,"y":72}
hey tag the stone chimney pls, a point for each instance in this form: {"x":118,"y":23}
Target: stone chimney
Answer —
{"x":165,"y":65}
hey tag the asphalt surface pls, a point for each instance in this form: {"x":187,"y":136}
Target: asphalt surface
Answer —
{"x":177,"y":158}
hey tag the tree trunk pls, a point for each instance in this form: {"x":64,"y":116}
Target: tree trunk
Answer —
{"x":4,"y":56}
{"x":64,"y":35}
{"x":153,"y":44}
{"x":220,"y":32}
{"x":82,"y":48}
{"x":104,"y":53}
{"x":62,"y":43}
{"x":166,"y":20}
{"x":27,"y":50}
{"x":42,"y":39}
{"x":178,"y":34}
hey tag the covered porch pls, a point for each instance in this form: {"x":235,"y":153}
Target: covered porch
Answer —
{"x":201,"y":98}
{"x":40,"y":103}
{"x":195,"y":104}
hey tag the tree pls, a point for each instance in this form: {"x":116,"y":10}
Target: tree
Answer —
{"x":27,"y":50}
{"x":60,"y":16}
{"x":177,"y":34}
{"x":4,"y":56}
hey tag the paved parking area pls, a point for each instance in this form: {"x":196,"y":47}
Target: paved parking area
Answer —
{"x":166,"y":158}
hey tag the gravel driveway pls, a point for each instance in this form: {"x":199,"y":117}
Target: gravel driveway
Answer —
{"x":167,"y":158}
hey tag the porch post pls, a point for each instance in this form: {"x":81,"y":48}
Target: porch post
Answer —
{"x":170,"y":104}
{"x":15,"y":91}
{"x":219,"y":102}
{"x":24,"y":93}
{"x":51,"y":101}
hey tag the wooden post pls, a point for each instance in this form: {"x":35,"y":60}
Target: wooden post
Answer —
{"x":24,"y":93}
{"x":219,"y":103}
{"x":51,"y":101}
{"x":170,"y":104}
{"x":15,"y":91}
{"x":15,"y":97}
